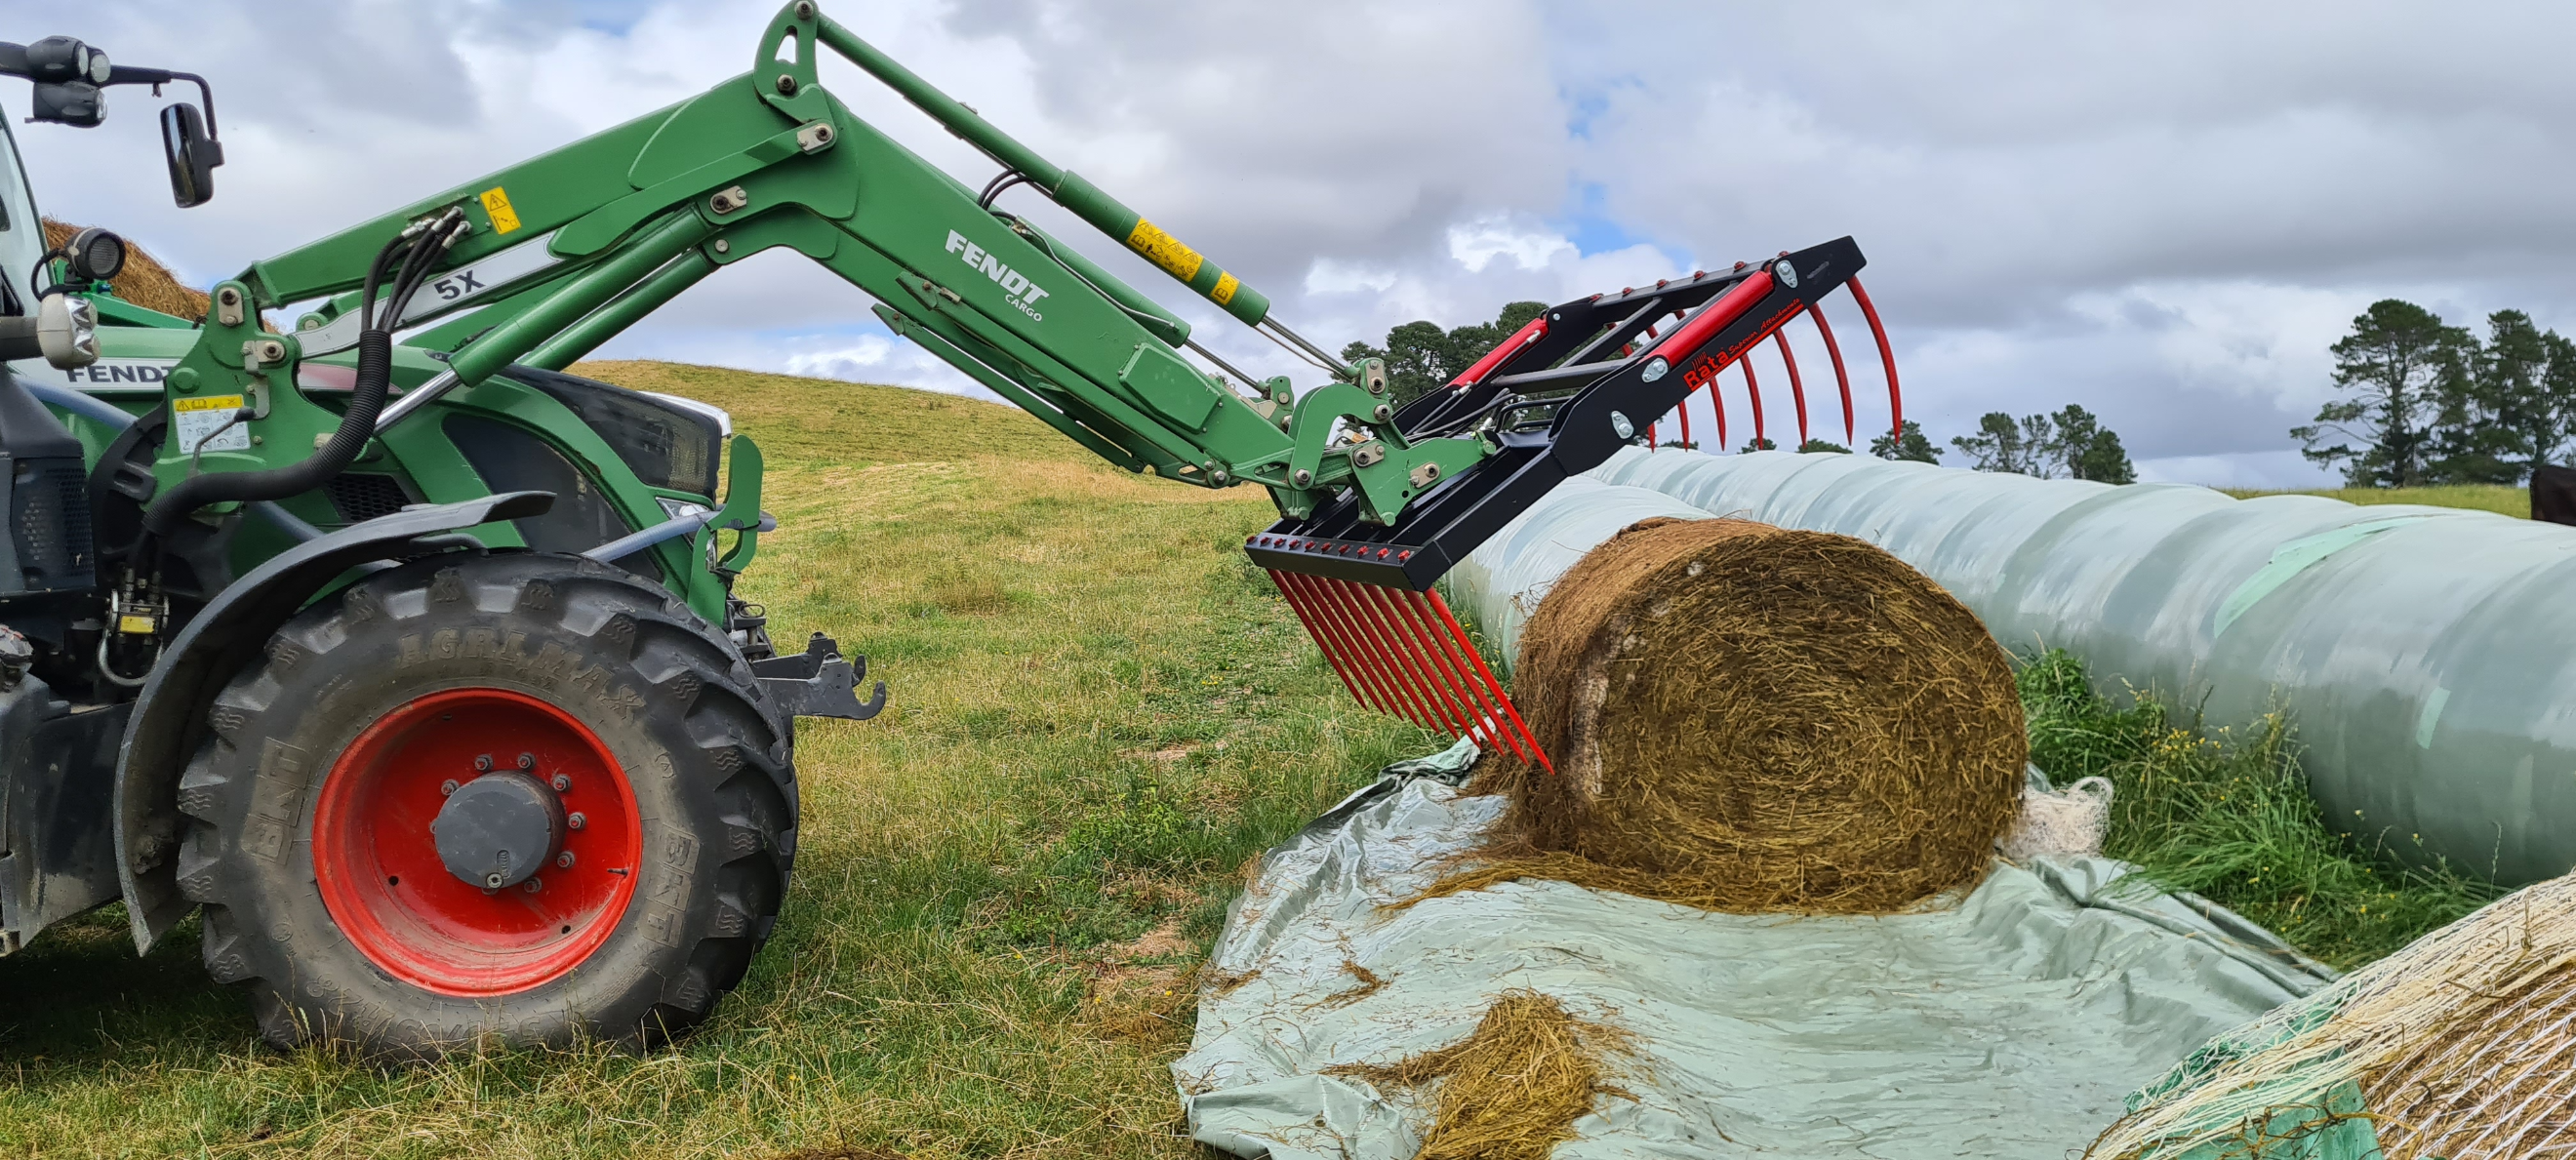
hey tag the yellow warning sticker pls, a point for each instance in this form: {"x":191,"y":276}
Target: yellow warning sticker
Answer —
{"x":134,"y":624}
{"x":1164,"y":250}
{"x":1225,"y":287}
{"x":205,"y":423}
{"x":497,"y":204}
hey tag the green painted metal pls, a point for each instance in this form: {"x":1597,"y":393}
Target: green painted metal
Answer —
{"x":627,"y":218}
{"x":625,"y":310}
{"x":1068,"y":189}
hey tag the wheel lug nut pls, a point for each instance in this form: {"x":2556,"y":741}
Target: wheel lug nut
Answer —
{"x":482,"y":763}
{"x":576,"y":821}
{"x":527,"y":761}
{"x":533,"y":885}
{"x":562,"y":782}
{"x":492,"y":882}
{"x":447,"y":787}
{"x":564,"y":860}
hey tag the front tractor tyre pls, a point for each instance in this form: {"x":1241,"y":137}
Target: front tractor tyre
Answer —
{"x":517,"y":798}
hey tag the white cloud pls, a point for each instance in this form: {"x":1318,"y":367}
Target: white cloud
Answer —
{"x":1473,"y":244}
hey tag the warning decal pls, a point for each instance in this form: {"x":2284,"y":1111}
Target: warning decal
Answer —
{"x":203,"y":416}
{"x":497,"y":204}
{"x":1164,"y":250}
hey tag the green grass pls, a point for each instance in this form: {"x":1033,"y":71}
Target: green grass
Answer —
{"x":1098,"y":712}
{"x":2512,"y":501}
{"x":2225,"y":812}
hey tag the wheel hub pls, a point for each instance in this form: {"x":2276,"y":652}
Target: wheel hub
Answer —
{"x":415,"y":825}
{"x":498,"y":829}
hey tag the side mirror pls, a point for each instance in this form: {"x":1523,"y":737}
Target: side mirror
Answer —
{"x":192,"y":153}
{"x":75,"y":103}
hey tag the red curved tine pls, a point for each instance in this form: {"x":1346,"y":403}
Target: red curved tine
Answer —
{"x":1505,"y":699}
{"x":1886,"y":358}
{"x":1339,"y":642}
{"x":1436,"y":661}
{"x":1797,"y":390}
{"x":1840,"y":379}
{"x":1414,"y":654}
{"x":1446,"y":650}
{"x":1753,"y":388}
{"x":1717,"y":403}
{"x":1381,"y":652}
{"x":1684,"y":408}
{"x":1316,"y":632}
{"x":1347,"y":637}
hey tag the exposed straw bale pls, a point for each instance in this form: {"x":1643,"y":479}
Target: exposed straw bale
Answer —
{"x":2462,"y":1046}
{"x":1753,"y":719}
{"x":144,"y":282}
{"x":1514,"y":1087}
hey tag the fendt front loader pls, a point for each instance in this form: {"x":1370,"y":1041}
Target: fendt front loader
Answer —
{"x":347,"y":618}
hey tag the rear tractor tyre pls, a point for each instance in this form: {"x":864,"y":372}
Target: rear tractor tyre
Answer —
{"x":515,"y":798}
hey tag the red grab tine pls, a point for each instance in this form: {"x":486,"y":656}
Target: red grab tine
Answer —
{"x":1753,"y":388}
{"x":1363,"y":636}
{"x":1840,"y":379}
{"x":1886,"y":358}
{"x":1797,"y":390}
{"x":1435,"y":658}
{"x":1383,"y":652}
{"x":1334,"y":638}
{"x":1451,"y":648}
{"x":1684,"y":408}
{"x":1509,"y":710}
{"x":1316,"y":633}
{"x":1417,"y":659}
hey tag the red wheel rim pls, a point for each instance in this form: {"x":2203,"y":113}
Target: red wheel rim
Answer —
{"x":378,"y":865}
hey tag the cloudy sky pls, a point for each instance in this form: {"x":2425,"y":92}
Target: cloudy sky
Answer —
{"x":2163,"y":212}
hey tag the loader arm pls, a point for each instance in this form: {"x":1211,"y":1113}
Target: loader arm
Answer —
{"x":563,"y":251}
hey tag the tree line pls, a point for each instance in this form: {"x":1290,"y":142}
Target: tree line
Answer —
{"x":2424,"y":402}
{"x":1421,"y":357}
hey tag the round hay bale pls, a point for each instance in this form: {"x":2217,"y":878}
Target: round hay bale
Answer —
{"x":1752,"y":719}
{"x":144,"y":282}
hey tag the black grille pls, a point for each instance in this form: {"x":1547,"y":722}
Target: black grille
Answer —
{"x":51,"y":524}
{"x":664,"y":445}
{"x":359,"y":498}
{"x":512,"y":459}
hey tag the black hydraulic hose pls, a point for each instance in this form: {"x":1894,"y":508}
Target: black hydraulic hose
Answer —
{"x":357,"y":425}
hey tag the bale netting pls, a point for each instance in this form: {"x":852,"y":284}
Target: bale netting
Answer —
{"x":1753,"y":719}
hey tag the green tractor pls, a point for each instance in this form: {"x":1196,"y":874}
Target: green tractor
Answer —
{"x":345,"y":617}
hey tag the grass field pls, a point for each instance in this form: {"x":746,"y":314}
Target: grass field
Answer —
{"x":2512,"y":501}
{"x":1099,"y":712}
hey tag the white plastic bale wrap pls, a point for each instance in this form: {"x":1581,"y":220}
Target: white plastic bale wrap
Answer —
{"x":2427,"y":656}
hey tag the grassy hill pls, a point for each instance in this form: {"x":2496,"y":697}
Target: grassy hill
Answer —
{"x":2512,"y":501}
{"x":1098,"y":711}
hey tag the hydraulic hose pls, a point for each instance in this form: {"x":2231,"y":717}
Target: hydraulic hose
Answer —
{"x":357,"y":424}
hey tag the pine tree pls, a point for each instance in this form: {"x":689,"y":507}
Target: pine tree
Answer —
{"x":2089,"y":450}
{"x":1907,"y":443}
{"x":2027,"y":447}
{"x":1421,"y":357}
{"x":2397,"y":367}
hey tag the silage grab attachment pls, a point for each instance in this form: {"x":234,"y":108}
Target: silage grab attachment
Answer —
{"x":1553,"y":400}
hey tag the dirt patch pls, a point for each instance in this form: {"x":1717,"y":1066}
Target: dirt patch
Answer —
{"x":1139,"y":991}
{"x":144,"y":282}
{"x":1753,"y":719}
{"x":1513,"y":1088}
